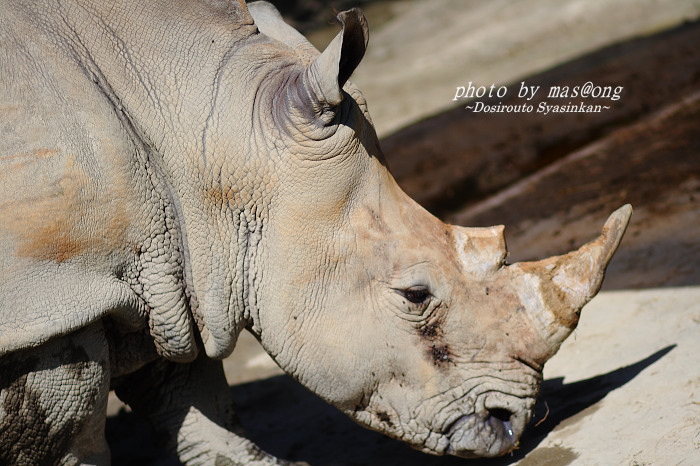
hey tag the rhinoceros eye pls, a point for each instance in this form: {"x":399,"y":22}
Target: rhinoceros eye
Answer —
{"x":416,"y":294}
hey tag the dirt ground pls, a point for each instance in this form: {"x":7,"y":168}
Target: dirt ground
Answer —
{"x":625,"y":388}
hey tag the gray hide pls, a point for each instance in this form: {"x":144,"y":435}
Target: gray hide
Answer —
{"x":172,"y":175}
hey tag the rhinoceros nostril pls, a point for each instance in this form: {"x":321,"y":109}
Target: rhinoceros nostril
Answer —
{"x":500,"y":420}
{"x":502,"y":415}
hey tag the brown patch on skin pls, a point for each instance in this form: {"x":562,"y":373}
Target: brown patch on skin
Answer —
{"x":9,"y":109}
{"x":219,"y":196}
{"x":38,"y":153}
{"x":59,"y":240}
{"x":64,"y":216}
{"x":21,"y":160}
{"x":52,"y":242}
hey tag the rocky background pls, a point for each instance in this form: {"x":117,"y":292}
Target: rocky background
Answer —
{"x":625,"y":388}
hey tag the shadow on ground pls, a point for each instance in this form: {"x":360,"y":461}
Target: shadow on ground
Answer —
{"x":564,"y":404}
{"x":288,"y":421}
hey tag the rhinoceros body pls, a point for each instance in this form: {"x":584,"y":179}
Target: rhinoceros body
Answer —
{"x":174,"y":172}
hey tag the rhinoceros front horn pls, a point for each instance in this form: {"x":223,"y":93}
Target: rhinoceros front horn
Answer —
{"x":568,"y":282}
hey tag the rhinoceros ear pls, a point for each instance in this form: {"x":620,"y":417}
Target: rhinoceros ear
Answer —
{"x":270,"y":22}
{"x":331,"y":70}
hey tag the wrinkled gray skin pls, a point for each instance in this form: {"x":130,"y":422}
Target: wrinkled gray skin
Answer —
{"x":172,"y":174}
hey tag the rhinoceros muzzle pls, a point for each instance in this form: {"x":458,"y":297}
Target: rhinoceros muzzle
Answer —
{"x":493,"y":432}
{"x":549,"y":294}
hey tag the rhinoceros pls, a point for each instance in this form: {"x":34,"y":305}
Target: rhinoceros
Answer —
{"x":174,"y":172}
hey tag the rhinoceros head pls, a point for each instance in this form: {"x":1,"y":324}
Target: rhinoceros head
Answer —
{"x":413,"y":327}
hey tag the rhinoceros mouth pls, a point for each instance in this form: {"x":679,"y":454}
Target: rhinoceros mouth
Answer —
{"x":494,"y":432}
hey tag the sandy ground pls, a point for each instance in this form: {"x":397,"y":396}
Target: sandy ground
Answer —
{"x":625,"y":388}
